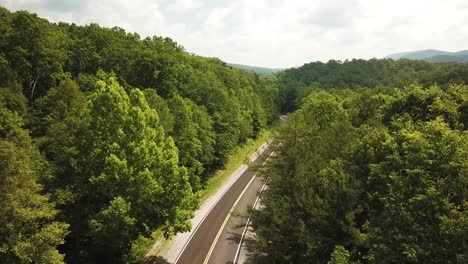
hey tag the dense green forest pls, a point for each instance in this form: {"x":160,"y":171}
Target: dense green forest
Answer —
{"x":368,"y":175}
{"x":106,"y":137}
{"x":296,"y":83}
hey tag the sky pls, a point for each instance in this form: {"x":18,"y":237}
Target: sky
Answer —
{"x":275,"y":33}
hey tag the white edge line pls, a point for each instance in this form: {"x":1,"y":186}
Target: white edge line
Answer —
{"x":211,"y":208}
{"x":215,"y":241}
{"x":220,"y":231}
{"x":247,"y":224}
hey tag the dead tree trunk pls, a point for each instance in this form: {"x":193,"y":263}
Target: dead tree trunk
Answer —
{"x":32,"y":87}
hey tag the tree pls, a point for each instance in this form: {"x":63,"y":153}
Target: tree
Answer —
{"x":62,"y":127}
{"x":28,"y":231}
{"x":390,"y":188}
{"x":119,"y":163}
{"x":311,"y":202}
{"x":61,"y":113}
{"x":194,"y":137}
{"x":339,"y":256}
{"x":419,"y":186}
{"x":158,"y":103}
{"x":134,"y":169}
{"x":37,"y":51}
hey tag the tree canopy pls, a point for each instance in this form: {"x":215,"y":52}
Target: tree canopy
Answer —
{"x":107,"y":137}
{"x":368,"y":176}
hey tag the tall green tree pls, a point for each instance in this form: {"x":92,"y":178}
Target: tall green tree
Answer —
{"x":311,"y":202}
{"x":420,"y":187}
{"x":194,"y":137}
{"x":134,"y":169}
{"x":29,"y":232}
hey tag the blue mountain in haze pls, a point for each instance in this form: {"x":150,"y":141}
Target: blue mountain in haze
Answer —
{"x":432,"y":55}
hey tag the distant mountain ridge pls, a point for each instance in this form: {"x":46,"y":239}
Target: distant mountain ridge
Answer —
{"x":255,"y":69}
{"x":432,"y":55}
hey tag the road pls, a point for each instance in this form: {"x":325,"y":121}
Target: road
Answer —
{"x":216,"y":239}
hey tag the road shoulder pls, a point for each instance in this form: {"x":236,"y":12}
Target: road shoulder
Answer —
{"x":169,"y":249}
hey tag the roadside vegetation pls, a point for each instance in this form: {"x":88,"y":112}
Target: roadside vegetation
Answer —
{"x":106,"y":137}
{"x":109,"y":141}
{"x":369,"y":175}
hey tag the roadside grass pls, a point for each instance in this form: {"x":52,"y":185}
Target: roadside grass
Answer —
{"x":239,"y":156}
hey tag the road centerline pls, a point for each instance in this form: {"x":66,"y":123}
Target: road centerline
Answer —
{"x":226,"y":219}
{"x":199,"y":246}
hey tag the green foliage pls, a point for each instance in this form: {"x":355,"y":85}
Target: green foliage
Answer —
{"x":363,"y":175}
{"x":113,"y":224}
{"x":37,"y":50}
{"x":158,"y":103}
{"x":141,"y":246}
{"x":14,"y":100}
{"x":381,"y":172}
{"x":339,"y":256}
{"x":28,"y":230}
{"x":296,"y":82}
{"x":119,"y":161}
{"x":318,"y":199}
{"x":132,"y":164}
{"x":419,"y":182}
{"x":62,"y":117}
{"x":194,"y":137}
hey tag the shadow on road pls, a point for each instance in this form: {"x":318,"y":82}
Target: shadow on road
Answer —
{"x":155,"y":260}
{"x":234,"y":238}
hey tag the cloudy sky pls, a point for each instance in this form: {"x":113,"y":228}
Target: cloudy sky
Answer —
{"x":275,"y":33}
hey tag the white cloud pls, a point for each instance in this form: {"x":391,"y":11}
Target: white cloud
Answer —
{"x":184,"y":6}
{"x":276,"y":33}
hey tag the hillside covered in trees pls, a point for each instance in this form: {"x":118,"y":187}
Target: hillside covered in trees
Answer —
{"x":296,"y":83}
{"x":106,"y":137}
{"x":368,"y":175}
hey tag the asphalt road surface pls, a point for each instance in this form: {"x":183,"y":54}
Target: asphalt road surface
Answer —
{"x":217,"y":238}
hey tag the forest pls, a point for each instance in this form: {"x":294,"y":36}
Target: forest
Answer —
{"x":358,"y":73}
{"x":106,"y":137}
{"x":368,"y":175}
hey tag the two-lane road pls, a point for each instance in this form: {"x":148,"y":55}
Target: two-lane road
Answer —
{"x":216,"y":239}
